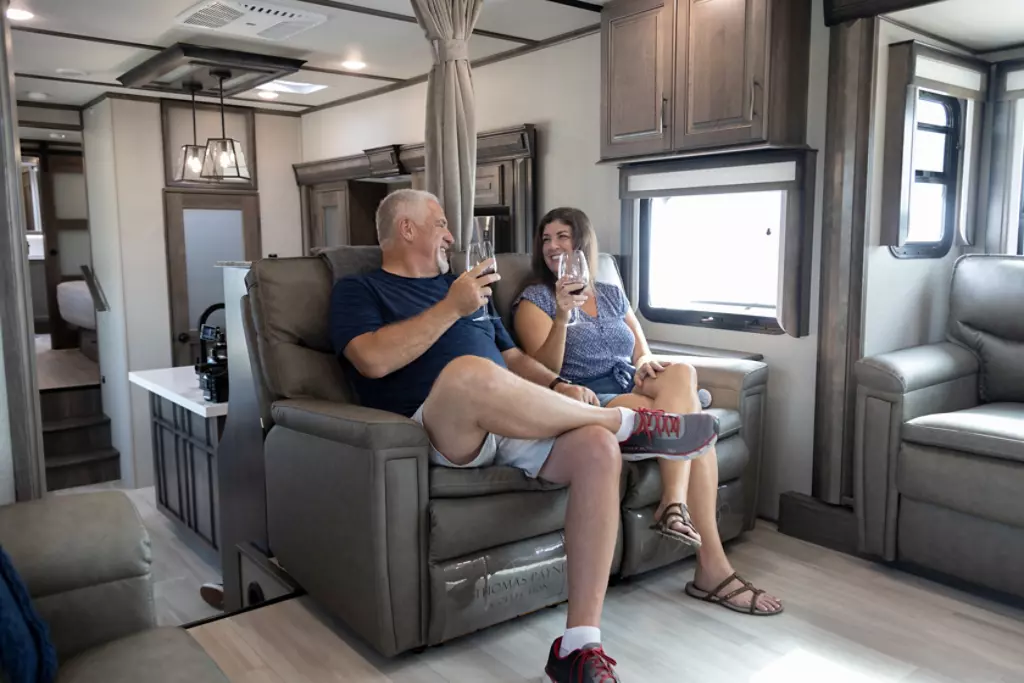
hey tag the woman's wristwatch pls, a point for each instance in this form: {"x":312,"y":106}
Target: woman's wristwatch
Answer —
{"x":558,"y":380}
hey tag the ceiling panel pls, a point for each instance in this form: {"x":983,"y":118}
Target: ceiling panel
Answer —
{"x":988,"y":25}
{"x":337,"y":87}
{"x":44,"y":55}
{"x":81,"y":93}
{"x":535,"y":19}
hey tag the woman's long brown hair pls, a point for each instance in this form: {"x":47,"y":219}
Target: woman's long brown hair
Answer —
{"x":583,"y":239}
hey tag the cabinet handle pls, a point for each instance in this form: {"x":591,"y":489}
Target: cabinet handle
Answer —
{"x":753,"y":86}
{"x":664,"y":108}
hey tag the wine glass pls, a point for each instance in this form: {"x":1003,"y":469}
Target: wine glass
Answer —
{"x":481,"y":248}
{"x":572,"y":265}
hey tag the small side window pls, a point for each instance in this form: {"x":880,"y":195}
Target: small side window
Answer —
{"x":935,"y":156}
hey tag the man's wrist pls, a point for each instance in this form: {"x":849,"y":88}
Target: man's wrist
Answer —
{"x":556,"y":381}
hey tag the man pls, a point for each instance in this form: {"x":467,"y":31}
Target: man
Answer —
{"x":407,"y":332}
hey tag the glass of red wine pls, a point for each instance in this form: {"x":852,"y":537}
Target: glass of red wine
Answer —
{"x":481,"y":248}
{"x":572,"y":265}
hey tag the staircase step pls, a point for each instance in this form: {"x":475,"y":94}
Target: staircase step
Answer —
{"x":82,"y":469}
{"x":59,"y":404}
{"x":60,"y":461}
{"x":71,"y":423}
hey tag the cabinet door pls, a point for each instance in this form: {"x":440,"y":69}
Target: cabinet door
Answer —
{"x":636,"y":63}
{"x":489,"y":187}
{"x":330,"y":217}
{"x":721,"y":72}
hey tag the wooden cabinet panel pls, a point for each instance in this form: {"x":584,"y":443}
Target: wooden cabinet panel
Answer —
{"x":330,"y":217}
{"x":636,"y":67}
{"x":490,"y":190}
{"x":721,"y":72}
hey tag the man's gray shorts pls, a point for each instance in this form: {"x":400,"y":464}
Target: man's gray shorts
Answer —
{"x":527,"y":455}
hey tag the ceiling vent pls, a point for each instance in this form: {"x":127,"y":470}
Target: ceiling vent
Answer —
{"x":249,"y":19}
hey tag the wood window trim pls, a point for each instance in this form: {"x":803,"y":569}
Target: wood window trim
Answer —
{"x":898,"y":177}
{"x":171,"y":152}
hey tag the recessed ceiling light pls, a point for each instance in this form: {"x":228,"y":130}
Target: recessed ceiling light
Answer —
{"x":57,"y":136}
{"x":291,"y":87}
{"x":77,"y":73}
{"x":19,"y":14}
{"x":38,"y":96}
{"x":267,"y":94}
{"x":353,"y":64}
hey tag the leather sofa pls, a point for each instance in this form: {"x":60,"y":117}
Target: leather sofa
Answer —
{"x":409,"y":555}
{"x":85,"y":559}
{"x":939,"y":443}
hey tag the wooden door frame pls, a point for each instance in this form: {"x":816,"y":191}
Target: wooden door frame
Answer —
{"x":175,"y":203}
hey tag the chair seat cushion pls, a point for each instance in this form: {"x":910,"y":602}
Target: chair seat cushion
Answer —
{"x":449,"y":482}
{"x":160,"y":655}
{"x":729,"y":422}
{"x":995,"y":430}
{"x":643,"y":479}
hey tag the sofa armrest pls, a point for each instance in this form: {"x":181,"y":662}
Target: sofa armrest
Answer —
{"x":740,"y":385}
{"x":893,"y":388}
{"x":349,"y":424}
{"x":85,"y":559}
{"x":347,"y":496}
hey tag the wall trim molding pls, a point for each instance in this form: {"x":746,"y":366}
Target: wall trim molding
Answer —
{"x":839,"y":11}
{"x":505,"y":144}
{"x":147,"y":98}
{"x":851,"y":86}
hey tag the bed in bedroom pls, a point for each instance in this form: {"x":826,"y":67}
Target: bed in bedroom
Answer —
{"x":76,"y":307}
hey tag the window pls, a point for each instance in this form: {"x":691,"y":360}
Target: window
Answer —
{"x":933,"y":195}
{"x":722,"y":243}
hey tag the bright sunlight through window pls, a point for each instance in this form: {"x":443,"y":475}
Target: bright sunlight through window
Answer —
{"x":716,"y":252}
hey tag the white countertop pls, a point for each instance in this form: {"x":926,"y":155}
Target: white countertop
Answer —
{"x":180,"y":386}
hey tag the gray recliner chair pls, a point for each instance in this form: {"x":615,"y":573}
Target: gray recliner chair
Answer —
{"x":409,"y":555}
{"x":939,"y":450}
{"x":85,"y":559}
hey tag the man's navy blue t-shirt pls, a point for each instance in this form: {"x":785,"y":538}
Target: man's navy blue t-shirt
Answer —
{"x":368,"y":302}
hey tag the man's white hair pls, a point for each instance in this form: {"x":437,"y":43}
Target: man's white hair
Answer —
{"x":411,"y":204}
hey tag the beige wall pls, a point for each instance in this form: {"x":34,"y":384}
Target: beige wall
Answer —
{"x":906,"y":301}
{"x":123,"y":155}
{"x":557,"y":89}
{"x":278,"y":146}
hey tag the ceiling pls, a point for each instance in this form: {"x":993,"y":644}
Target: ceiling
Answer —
{"x":981,"y":25}
{"x":98,"y":40}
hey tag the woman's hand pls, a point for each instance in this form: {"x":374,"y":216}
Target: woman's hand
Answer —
{"x":648,"y":368}
{"x":565,"y":300}
{"x":578,"y":393}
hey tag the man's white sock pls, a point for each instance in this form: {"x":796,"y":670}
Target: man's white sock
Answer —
{"x":626,"y":428}
{"x":576,"y":637}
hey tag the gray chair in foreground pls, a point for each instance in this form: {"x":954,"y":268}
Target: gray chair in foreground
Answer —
{"x":86,"y":561}
{"x":939,"y":452}
{"x":409,"y":555}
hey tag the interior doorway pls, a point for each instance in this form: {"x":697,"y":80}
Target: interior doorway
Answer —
{"x":203,"y":229}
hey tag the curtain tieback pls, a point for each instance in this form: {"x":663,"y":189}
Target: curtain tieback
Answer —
{"x":450,"y":50}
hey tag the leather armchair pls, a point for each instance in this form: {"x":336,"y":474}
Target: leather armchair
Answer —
{"x":939,"y":440}
{"x":85,"y":559}
{"x":409,"y":555}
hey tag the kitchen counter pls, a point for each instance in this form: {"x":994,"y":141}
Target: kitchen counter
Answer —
{"x":179,"y":386}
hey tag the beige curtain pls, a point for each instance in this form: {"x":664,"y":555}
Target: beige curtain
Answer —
{"x":451,"y":109}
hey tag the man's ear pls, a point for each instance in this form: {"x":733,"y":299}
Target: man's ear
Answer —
{"x":406,"y":230}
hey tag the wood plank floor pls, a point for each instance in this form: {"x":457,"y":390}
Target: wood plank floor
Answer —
{"x":846,"y":621}
{"x":63,"y":368}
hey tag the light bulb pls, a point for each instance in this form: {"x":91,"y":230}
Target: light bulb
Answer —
{"x":195,"y":164}
{"x":226,"y":160}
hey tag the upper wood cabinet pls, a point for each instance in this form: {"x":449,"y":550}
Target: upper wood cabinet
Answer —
{"x":636,"y":70}
{"x":726,"y":72}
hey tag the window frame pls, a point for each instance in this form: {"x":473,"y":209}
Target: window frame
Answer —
{"x":949,"y":177}
{"x":792,"y":313}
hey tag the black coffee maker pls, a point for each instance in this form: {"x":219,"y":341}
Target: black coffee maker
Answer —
{"x":212,"y":366}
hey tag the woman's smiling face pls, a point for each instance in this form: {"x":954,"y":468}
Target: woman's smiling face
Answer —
{"x":557,"y":240}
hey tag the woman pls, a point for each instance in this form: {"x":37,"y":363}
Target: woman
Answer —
{"x":607,"y":352}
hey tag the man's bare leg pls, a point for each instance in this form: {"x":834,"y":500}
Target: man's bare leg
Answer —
{"x":588,"y":460}
{"x":473,"y":397}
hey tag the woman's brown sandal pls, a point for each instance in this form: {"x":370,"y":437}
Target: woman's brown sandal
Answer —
{"x":716,"y":598}
{"x":677,"y":513}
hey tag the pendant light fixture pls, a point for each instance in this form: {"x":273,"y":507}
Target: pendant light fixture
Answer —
{"x":190,"y":161}
{"x":224,"y":158}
